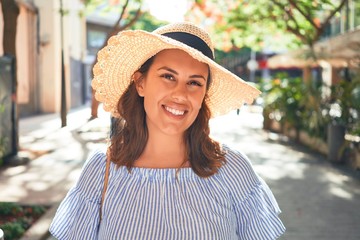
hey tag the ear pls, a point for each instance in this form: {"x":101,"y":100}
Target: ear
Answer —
{"x":139,"y":83}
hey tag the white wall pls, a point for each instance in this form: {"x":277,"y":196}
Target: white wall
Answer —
{"x":50,"y":54}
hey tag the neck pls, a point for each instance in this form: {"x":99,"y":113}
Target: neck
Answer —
{"x":163,"y":151}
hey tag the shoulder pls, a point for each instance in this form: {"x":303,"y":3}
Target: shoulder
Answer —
{"x":238,"y":173}
{"x":95,"y":161}
{"x":92,"y":173}
{"x":238,"y":165}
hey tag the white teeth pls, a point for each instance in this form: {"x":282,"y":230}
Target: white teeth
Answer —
{"x":174,"y":111}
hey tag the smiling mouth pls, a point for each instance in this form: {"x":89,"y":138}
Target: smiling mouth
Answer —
{"x":174,"y":111}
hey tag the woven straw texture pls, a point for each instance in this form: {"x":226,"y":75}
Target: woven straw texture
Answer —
{"x":128,"y":50}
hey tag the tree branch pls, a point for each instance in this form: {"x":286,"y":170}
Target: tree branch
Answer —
{"x":295,"y":30}
{"x":116,"y":28}
{"x":327,"y":20}
{"x":117,"y":23}
{"x":341,"y":5}
{"x":133,"y":20}
{"x":304,"y":14}
{"x":297,"y":33}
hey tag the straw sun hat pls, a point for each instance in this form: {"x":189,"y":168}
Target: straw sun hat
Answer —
{"x":128,"y":50}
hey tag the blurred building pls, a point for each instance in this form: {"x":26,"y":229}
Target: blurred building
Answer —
{"x":98,"y":27}
{"x":42,"y":34}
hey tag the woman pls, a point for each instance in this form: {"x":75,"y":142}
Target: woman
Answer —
{"x":162,"y":176}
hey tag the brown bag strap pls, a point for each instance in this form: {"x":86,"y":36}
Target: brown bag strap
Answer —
{"x":106,"y":180}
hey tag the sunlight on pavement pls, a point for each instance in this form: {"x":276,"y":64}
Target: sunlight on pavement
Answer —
{"x":57,"y":156}
{"x":336,"y":178}
{"x":14,"y":171}
{"x":339,"y":192}
{"x":18,"y":184}
{"x":279,"y":171}
{"x":338,"y":185}
{"x":13,"y":194}
{"x":37,"y":186}
{"x":237,"y":130}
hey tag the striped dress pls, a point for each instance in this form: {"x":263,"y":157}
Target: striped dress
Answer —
{"x":168,"y":204}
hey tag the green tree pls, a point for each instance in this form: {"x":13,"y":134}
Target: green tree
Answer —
{"x":251,"y":22}
{"x":128,"y":13}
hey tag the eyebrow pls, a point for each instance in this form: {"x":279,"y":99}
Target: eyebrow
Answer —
{"x":176,"y":73}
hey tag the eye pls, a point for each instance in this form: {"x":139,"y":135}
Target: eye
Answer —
{"x":195,"y":83}
{"x":168,"y":76}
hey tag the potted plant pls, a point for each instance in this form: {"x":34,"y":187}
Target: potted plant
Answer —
{"x":343,"y":115}
{"x":283,"y":103}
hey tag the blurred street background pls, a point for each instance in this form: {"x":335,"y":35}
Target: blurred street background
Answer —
{"x":302,"y":134}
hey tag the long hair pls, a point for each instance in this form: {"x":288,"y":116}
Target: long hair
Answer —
{"x":130,"y":133}
{"x":204,"y":154}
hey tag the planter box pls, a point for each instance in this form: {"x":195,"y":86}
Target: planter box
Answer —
{"x":353,"y":156}
{"x":314,"y":143}
{"x":330,"y":148}
{"x":304,"y":138}
{"x":336,"y":141}
{"x":354,"y":159}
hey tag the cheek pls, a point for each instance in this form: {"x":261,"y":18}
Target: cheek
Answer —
{"x":148,"y":103}
{"x":151,"y":100}
{"x":197,"y":101}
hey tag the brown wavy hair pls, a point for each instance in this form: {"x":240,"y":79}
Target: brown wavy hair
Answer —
{"x":130,"y":134}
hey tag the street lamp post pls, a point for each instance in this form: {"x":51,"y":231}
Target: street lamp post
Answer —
{"x":63,"y":111}
{"x":252,"y":66}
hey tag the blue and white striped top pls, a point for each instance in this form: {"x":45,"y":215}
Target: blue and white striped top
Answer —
{"x":168,"y":204}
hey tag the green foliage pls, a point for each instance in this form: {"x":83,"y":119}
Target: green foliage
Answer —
{"x":252,"y":24}
{"x":344,"y":105}
{"x":15,"y":219}
{"x":7,"y":208}
{"x":12,"y":230}
{"x":296,"y":103}
{"x":313,"y":118}
{"x":127,"y":11}
{"x":306,"y":106}
{"x":288,"y":22}
{"x":105,"y":8}
{"x":283,"y":96}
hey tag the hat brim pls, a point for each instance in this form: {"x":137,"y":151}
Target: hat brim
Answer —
{"x":128,"y":50}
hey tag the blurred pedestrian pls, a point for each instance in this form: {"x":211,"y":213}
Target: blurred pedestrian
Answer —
{"x":162,"y":176}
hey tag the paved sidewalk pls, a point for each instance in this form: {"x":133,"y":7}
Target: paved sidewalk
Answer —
{"x":319,"y":200}
{"x":57,"y":155}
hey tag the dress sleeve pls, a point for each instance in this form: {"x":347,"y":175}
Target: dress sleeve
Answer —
{"x":78,"y":214}
{"x":257,"y":215}
{"x":254,"y":204}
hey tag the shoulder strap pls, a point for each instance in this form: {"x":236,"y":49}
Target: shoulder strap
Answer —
{"x":106,"y":180}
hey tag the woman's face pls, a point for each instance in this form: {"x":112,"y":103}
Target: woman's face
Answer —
{"x":173,"y":90}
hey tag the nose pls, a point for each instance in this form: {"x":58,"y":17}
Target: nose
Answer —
{"x":179,"y":93}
